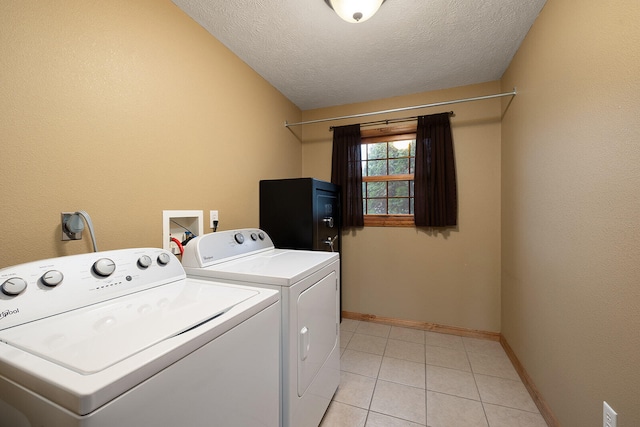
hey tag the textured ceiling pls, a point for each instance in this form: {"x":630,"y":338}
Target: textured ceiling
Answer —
{"x":317,"y":60}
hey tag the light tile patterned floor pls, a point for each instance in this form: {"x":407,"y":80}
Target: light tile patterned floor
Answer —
{"x":401,"y":377}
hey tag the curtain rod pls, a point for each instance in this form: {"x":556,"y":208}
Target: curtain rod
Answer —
{"x":395,"y":110}
{"x":391,"y":121}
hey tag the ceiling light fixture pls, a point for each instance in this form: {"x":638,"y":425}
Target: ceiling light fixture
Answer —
{"x":355,"y":11}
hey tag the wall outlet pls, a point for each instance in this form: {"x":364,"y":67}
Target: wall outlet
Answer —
{"x":609,"y":416}
{"x":66,"y":234}
{"x":213,"y":216}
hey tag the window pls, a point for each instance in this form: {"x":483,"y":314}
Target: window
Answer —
{"x":388,"y":166}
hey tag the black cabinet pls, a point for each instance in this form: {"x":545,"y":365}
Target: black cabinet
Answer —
{"x":301,"y":213}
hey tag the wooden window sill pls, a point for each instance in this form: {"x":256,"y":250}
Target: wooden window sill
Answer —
{"x":389,"y":221}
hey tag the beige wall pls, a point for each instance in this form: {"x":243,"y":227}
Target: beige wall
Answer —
{"x":570,"y":209}
{"x":453,"y":278}
{"x":124,"y":109}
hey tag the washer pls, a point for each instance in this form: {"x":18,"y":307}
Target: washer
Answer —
{"x":124,"y":338}
{"x":309,"y":287}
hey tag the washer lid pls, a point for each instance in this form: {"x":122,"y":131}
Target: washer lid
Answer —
{"x":91,"y":339}
{"x":279,"y":267}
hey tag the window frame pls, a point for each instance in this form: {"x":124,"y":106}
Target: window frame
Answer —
{"x":388,"y":134}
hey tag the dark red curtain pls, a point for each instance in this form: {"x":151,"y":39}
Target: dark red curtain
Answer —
{"x":436,"y":200}
{"x":346,"y":171}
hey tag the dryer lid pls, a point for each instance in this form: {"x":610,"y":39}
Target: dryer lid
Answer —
{"x":278,"y":267}
{"x":91,"y":339}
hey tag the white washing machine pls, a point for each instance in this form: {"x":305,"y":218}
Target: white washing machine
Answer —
{"x":309,"y":285}
{"x":124,"y":338}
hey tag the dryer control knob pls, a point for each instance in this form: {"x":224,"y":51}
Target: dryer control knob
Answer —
{"x":52,"y":278}
{"x":239,"y":238}
{"x":104,"y":267}
{"x":254,"y":236}
{"x":14,"y":286}
{"x":144,"y":261}
{"x":164,"y":258}
{"x":261,"y":235}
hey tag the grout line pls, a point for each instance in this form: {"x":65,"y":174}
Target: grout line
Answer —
{"x":504,"y":348}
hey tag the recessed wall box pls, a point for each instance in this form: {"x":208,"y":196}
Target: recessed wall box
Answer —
{"x":176,"y":223}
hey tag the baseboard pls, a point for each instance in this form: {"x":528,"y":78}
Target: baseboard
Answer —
{"x":544,"y":409}
{"x":425,"y":326}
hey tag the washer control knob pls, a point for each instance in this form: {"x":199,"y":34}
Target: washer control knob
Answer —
{"x":144,"y":261}
{"x":104,"y":267}
{"x":164,"y":258}
{"x":239,"y":238}
{"x":14,"y":286}
{"x":261,"y":235}
{"x":52,"y":278}
{"x":254,"y":236}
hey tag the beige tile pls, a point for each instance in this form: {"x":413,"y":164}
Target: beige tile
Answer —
{"x":505,"y":392}
{"x":496,"y":365}
{"x":479,"y":345}
{"x":452,"y":381}
{"x":355,"y":390}
{"x":376,"y":329}
{"x":451,"y":411}
{"x":407,"y":334}
{"x":380,"y":420}
{"x":405,"y":350}
{"x":400,"y":401}
{"x":349,"y":325}
{"x":444,"y":340}
{"x":447,"y":357}
{"x":402,"y":372}
{"x":499,"y":416}
{"x":360,"y":363}
{"x":341,"y":415}
{"x":367,"y":343}
{"x":469,"y":382}
{"x":345,"y":337}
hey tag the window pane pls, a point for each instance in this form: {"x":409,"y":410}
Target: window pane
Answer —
{"x":398,"y":188}
{"x":377,"y":206}
{"x":388,"y":158}
{"x":400,"y":149}
{"x":376,"y":189}
{"x":377,"y":168}
{"x":398,"y":206}
{"x":398,"y":166}
{"x":377,"y":150}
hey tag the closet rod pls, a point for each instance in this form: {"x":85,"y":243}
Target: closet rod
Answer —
{"x":395,"y":110}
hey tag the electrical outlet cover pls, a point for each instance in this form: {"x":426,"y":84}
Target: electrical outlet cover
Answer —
{"x":609,"y":416}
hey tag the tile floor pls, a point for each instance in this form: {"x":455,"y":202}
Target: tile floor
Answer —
{"x":401,"y":377}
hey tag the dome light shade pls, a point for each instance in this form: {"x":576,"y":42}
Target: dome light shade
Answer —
{"x":355,"y":11}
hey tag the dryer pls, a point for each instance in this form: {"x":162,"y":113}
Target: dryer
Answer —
{"x":309,"y":286}
{"x":124,"y":338}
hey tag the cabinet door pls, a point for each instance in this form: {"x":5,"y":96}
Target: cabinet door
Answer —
{"x":327,"y":222}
